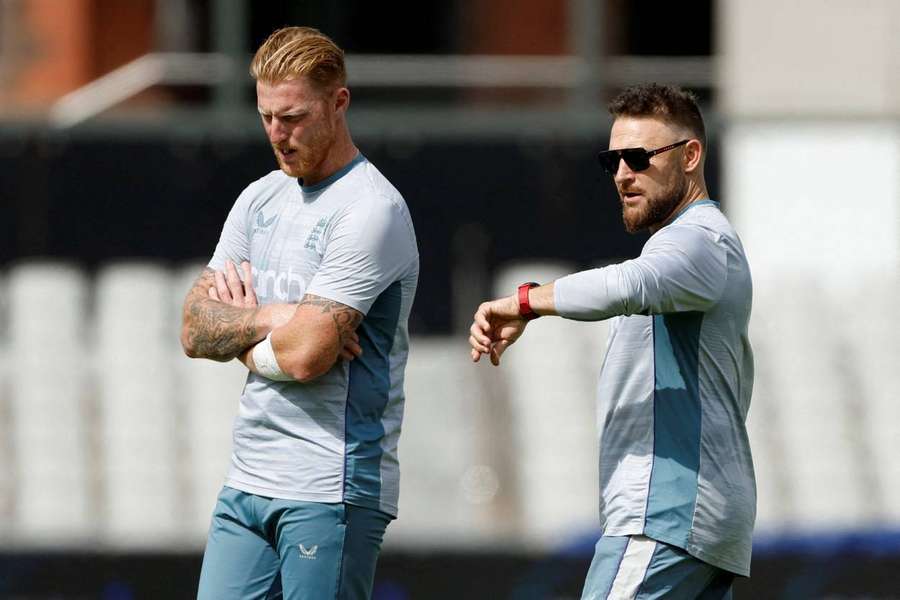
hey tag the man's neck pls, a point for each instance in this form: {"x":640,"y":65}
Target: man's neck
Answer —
{"x":695,"y":191}
{"x":341,"y":153}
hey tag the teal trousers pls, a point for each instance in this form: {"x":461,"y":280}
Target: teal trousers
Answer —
{"x":268,"y":548}
{"x":639,"y":568}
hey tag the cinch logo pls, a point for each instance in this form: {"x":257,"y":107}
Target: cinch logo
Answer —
{"x":262,"y":223}
{"x":279,"y":285}
{"x":308,"y":554}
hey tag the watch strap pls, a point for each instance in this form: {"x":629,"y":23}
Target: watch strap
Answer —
{"x":525,"y":310}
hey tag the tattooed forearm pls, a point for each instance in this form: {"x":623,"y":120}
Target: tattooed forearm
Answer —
{"x":213,"y":329}
{"x":345,"y":319}
{"x":220,"y":331}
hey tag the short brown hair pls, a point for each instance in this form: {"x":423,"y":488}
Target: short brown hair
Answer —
{"x":294,"y":52}
{"x":668,"y":102}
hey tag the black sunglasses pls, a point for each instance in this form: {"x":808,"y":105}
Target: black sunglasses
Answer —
{"x":637,"y":159}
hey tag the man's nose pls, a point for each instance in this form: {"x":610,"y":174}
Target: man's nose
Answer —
{"x":623,"y":173}
{"x":277,"y":131}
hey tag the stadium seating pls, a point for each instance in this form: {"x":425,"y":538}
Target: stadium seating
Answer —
{"x":455,"y":488}
{"x":800,"y":340}
{"x":550,"y":383}
{"x":870,"y":346}
{"x":137,"y":426}
{"x":50,"y":407}
{"x":103,"y":409}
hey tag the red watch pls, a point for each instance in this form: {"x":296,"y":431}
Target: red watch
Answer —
{"x":525,"y":310}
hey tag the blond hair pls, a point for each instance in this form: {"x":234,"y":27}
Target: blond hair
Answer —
{"x":294,"y":52}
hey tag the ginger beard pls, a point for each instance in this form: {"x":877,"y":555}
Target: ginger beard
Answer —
{"x":656,"y":207}
{"x":304,"y":156}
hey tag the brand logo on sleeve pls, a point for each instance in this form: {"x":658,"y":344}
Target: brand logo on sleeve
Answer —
{"x":262,"y":223}
{"x":310,"y":553}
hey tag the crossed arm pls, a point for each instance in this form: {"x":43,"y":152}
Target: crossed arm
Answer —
{"x":216,"y":330}
{"x":307,"y":346}
{"x":222,"y":320}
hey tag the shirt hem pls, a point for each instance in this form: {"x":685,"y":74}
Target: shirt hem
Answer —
{"x":698,"y":553}
{"x":716,"y":561}
{"x":388,"y":509}
{"x":324,"y":497}
{"x":329,"y":497}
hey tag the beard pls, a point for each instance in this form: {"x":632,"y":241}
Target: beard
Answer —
{"x":309,"y":154}
{"x":656,"y":209}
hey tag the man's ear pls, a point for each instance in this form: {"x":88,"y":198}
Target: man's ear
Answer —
{"x":693,"y":155}
{"x":341,"y":100}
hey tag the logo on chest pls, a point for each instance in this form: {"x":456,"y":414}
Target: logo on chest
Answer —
{"x":316,"y":234}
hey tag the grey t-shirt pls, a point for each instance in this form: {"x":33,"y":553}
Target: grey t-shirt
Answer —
{"x":350,"y":239}
{"x":675,"y":388}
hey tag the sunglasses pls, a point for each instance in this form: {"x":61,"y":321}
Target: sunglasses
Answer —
{"x":637,"y":159}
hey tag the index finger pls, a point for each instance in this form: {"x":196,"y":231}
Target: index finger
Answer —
{"x":222,"y":287}
{"x":234,"y":281}
{"x":479,"y":335}
{"x":482,"y":320}
{"x":249,"y":294}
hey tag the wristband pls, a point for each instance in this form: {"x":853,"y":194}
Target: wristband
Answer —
{"x":264,"y":359}
{"x":525,"y":310}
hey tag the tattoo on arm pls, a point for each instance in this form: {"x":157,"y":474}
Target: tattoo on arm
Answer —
{"x":216,"y":330}
{"x":346,"y":319}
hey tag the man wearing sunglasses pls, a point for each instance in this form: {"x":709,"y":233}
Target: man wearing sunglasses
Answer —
{"x":677,"y":489}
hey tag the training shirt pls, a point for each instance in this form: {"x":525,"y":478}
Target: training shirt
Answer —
{"x":348,"y":238}
{"x":674,"y":388}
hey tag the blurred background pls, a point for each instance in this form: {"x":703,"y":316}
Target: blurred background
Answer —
{"x":128,"y":128}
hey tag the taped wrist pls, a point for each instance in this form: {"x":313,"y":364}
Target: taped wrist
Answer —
{"x":266,"y":364}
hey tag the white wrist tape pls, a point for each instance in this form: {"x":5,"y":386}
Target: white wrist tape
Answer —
{"x":264,"y":359}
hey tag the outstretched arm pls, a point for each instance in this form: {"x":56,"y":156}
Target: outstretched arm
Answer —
{"x":497,"y":324}
{"x":682,"y":268}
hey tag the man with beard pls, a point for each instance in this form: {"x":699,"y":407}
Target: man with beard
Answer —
{"x":330,"y":267}
{"x":678,"y":496}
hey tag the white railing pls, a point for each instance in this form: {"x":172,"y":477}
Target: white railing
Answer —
{"x":379,"y":71}
{"x":135,"y":77}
